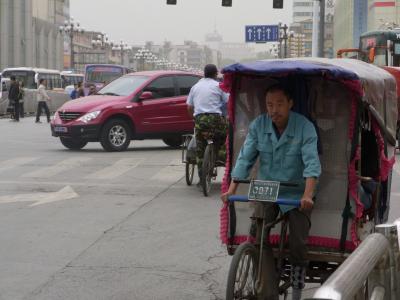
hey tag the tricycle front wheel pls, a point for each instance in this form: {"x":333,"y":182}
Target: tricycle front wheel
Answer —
{"x":242,"y":274}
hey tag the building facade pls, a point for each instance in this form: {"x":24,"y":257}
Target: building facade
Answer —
{"x":383,"y":14}
{"x":303,"y":13}
{"x":29,"y":33}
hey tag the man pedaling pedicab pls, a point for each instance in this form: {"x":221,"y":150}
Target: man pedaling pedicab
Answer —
{"x":286,"y":144}
{"x":206,"y":102}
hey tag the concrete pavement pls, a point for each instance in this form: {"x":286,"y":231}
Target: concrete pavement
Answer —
{"x":115,"y":225}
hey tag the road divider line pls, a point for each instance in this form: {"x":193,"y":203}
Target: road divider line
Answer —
{"x":119,"y":168}
{"x":171,"y":173}
{"x":62,"y":166}
{"x":15,"y":162}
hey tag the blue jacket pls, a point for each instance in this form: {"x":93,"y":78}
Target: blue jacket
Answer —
{"x":292,"y":158}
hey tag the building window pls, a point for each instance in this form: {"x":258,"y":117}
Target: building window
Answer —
{"x":303,"y":14}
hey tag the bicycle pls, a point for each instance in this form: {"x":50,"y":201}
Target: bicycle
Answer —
{"x":253,"y":260}
{"x":210,"y":163}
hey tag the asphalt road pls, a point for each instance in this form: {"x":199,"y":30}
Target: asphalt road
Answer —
{"x":98,"y":225}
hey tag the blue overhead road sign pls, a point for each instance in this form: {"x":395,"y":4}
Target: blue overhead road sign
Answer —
{"x":262,"y":33}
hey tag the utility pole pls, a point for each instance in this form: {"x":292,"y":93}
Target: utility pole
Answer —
{"x":321,"y":38}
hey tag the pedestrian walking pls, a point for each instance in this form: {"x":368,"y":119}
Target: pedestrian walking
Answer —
{"x":42,"y":99}
{"x":81,"y":91}
{"x":13,"y":97}
{"x":21,"y":99}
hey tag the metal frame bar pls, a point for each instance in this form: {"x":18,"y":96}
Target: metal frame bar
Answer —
{"x":377,"y":260}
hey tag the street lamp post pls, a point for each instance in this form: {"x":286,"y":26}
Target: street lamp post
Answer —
{"x":101,"y":41}
{"x":121,"y":47}
{"x":283,"y":36}
{"x":70,"y":28}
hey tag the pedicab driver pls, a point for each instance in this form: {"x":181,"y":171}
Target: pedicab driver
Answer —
{"x":286,"y":144}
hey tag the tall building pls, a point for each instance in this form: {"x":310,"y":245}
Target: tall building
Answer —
{"x":351,"y":20}
{"x":302,"y":10}
{"x":29,"y":33}
{"x":226,"y":50}
{"x":382,"y":14}
{"x":303,"y":13}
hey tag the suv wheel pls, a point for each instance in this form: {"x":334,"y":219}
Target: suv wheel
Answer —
{"x":116,"y":135}
{"x":73,"y":144}
{"x":174,"y":142}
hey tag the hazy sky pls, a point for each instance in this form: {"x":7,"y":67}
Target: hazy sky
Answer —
{"x":137,"y":21}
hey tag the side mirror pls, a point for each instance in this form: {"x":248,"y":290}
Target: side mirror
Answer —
{"x":371,"y":55}
{"x":146,"y":95}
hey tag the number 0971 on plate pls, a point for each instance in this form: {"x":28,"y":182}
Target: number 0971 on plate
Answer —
{"x":263,"y":190}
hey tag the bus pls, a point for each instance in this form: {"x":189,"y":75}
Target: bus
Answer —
{"x":70,"y":78}
{"x":31,"y":76}
{"x":380,"y":47}
{"x":102,"y":74}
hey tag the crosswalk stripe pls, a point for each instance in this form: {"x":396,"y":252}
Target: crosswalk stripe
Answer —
{"x":15,"y":162}
{"x":173,"y":172}
{"x":117,"y":169}
{"x":62,"y":166}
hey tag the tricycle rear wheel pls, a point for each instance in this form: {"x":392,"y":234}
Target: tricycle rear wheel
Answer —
{"x":189,"y":173}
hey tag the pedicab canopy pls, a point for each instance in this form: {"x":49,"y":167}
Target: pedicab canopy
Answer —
{"x":353,"y":106}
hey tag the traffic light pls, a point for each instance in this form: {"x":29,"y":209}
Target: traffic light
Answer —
{"x":171,"y":2}
{"x":226,"y":2}
{"x":277,"y":4}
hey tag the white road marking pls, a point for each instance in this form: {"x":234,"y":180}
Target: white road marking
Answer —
{"x":171,"y":173}
{"x":60,"y":167}
{"x":119,"y":168}
{"x":41,"y":198}
{"x":15,"y":162}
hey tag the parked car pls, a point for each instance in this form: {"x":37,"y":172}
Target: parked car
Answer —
{"x":137,"y":106}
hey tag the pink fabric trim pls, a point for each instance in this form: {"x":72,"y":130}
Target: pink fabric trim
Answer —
{"x":316,"y":241}
{"x":386,"y":164}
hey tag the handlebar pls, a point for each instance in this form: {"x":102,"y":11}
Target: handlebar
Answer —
{"x":287,"y":184}
{"x":243,"y":198}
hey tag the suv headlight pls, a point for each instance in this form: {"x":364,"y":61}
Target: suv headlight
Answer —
{"x":89,"y":116}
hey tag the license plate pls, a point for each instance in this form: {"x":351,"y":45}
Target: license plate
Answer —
{"x":263,"y":190}
{"x":60,"y":129}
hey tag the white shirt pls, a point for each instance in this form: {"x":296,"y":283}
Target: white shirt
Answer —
{"x":42,"y":94}
{"x":207,"y":97}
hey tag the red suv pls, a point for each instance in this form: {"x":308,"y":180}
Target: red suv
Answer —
{"x":137,"y":106}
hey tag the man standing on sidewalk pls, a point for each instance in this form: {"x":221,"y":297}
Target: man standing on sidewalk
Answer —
{"x":13,"y":96}
{"x":42,"y":99}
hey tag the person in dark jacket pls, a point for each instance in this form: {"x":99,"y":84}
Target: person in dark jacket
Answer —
{"x":13,"y":97}
{"x":81,"y":91}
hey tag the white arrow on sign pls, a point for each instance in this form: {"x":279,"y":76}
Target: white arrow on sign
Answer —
{"x":65,"y":193}
{"x":268,"y":33}
{"x":259,"y":33}
{"x":250,"y":32}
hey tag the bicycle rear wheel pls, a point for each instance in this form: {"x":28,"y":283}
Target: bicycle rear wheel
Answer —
{"x":242,"y":274}
{"x":207,"y":169}
{"x":189,"y":173}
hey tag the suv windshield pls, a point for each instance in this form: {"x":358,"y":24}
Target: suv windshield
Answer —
{"x":123,"y":86}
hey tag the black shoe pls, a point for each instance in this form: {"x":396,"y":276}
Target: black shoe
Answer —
{"x":38,"y":122}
